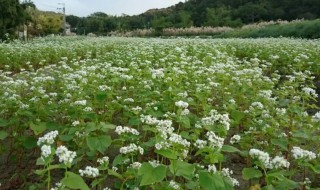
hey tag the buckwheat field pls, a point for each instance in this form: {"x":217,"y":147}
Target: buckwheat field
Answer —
{"x":161,"y":114}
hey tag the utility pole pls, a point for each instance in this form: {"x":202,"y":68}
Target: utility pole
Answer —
{"x":64,"y":17}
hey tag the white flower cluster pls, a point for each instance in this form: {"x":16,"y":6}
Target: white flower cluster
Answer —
{"x":216,"y":117}
{"x":149,"y":119}
{"x":128,"y":100}
{"x":310,"y":91}
{"x":185,"y":112}
{"x":182,"y":104}
{"x":80,"y":103}
{"x":264,"y":158}
{"x":214,"y":140}
{"x":200,"y":143}
{"x":175,"y":138}
{"x":48,"y":138}
{"x":154,"y":163}
{"x":89,"y":172}
{"x":299,"y":153}
{"x":227,"y":173}
{"x":131,"y":148}
{"x":174,"y":185}
{"x":279,"y":162}
{"x":212,"y":168}
{"x":316,"y":117}
{"x":157,"y":73}
{"x":103,"y":160}
{"x":120,"y":130}
{"x":75,"y":123}
{"x":135,"y":165}
{"x":258,"y":105}
{"x":45,"y":151}
{"x":66,"y":156}
{"x":235,"y":139}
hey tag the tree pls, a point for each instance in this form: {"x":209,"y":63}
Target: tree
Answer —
{"x":12,"y":14}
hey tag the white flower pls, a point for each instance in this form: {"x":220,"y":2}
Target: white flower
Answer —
{"x":48,"y":138}
{"x":89,"y":172}
{"x":185,"y":112}
{"x":235,"y":139}
{"x":316,"y":117}
{"x":65,"y":155}
{"x":200,"y":143}
{"x":212,"y":168}
{"x":135,"y":165}
{"x":103,"y":160}
{"x":279,"y":162}
{"x":299,"y":153}
{"x":154,"y":163}
{"x":75,"y":123}
{"x":131,"y":148}
{"x":263,"y":157}
{"x":45,"y":151}
{"x":181,"y":104}
{"x":310,"y":91}
{"x":80,"y":102}
{"x":174,"y":185}
{"x":120,"y":130}
{"x":214,"y":140}
{"x":87,"y":109}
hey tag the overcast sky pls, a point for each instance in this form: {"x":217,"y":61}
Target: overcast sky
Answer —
{"x":111,"y":7}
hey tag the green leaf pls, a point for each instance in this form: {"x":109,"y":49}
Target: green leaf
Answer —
{"x":151,"y":175}
{"x":99,"y":143}
{"x":66,"y":138}
{"x":3,"y":123}
{"x":249,"y":173}
{"x":91,"y":127}
{"x":228,"y":148}
{"x":101,"y":97}
{"x":286,"y":184}
{"x":135,"y":121}
{"x":38,"y":128}
{"x":282,"y":143}
{"x":105,"y":127}
{"x":237,"y":116}
{"x":211,"y":182}
{"x":29,"y":142}
{"x":74,"y":181}
{"x":113,"y":173}
{"x":167,"y":153}
{"x":118,"y":160}
{"x":184,"y":169}
{"x":3,"y":135}
{"x":184,"y":121}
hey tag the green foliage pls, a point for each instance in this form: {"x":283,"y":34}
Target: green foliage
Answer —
{"x":131,"y":113}
{"x":303,"y":29}
{"x":12,"y":15}
{"x":150,"y":174}
{"x":199,"y":13}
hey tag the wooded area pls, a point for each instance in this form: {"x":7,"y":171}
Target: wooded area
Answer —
{"x":198,"y":13}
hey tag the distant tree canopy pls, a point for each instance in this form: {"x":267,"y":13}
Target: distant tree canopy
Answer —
{"x":12,"y":14}
{"x":197,"y":13}
{"x":200,"y":13}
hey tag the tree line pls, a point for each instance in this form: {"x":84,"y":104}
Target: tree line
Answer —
{"x":233,"y":13}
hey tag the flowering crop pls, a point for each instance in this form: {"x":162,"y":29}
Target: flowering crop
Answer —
{"x":118,"y":113}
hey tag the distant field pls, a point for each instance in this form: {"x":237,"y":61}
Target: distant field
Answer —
{"x":132,"y":113}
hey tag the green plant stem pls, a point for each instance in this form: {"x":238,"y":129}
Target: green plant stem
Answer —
{"x":49,"y":178}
